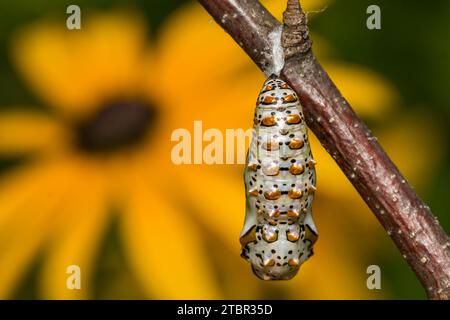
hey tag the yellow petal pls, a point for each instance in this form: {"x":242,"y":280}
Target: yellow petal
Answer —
{"x":331,"y":181}
{"x":329,"y":275}
{"x":277,"y":8}
{"x":367,"y":92}
{"x":165,"y":248}
{"x":15,"y":189}
{"x":28,"y":236}
{"x":235,"y":275}
{"x":80,"y":227}
{"x":18,"y":186}
{"x":416,"y":143}
{"x":218,"y":200}
{"x":337,"y":270}
{"x":24,"y":132}
{"x":75,"y":71}
{"x":23,"y":233}
{"x":202,"y":44}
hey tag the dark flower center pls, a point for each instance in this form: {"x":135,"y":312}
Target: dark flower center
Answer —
{"x":118,"y":124}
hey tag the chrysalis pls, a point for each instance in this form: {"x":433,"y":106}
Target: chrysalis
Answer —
{"x":280,"y":179}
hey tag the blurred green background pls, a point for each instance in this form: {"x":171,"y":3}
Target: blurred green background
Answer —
{"x":412,"y":51}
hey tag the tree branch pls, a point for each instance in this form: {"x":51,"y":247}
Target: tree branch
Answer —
{"x":408,"y":221}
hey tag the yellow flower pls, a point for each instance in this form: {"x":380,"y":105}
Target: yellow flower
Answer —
{"x":100,"y":148}
{"x":115,"y":100}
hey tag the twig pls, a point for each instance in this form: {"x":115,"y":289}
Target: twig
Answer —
{"x":408,"y":221}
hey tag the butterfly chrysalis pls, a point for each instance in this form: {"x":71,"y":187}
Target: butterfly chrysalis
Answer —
{"x":280,"y":179}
